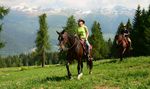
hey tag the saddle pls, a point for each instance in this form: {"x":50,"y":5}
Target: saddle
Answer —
{"x":126,"y":40}
{"x":85,"y":47}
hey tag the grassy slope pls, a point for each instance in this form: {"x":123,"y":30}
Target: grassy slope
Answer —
{"x":132,"y":73}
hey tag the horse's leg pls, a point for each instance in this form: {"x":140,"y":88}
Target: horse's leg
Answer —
{"x":68,"y":71}
{"x":121,"y":57}
{"x":122,"y":54}
{"x":90,"y":63}
{"x":91,"y":66}
{"x":80,"y":66}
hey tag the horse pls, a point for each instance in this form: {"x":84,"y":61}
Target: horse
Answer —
{"x":123,"y":45}
{"x":75,"y":50}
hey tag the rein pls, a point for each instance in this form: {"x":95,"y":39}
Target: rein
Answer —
{"x":73,"y":44}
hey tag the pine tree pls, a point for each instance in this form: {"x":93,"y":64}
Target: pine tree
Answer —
{"x":109,"y":42}
{"x":129,"y":25}
{"x":148,"y":12}
{"x":140,"y":33}
{"x":42,"y":41}
{"x":97,"y":41}
{"x":147,"y":41}
{"x":146,"y":24}
{"x":114,"y":50}
{"x":71,"y":25}
{"x":109,"y":46}
{"x":3,"y":11}
{"x":71,"y":28}
{"x":135,"y":33}
{"x":120,"y":28}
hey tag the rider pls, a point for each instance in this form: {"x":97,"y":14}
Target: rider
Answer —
{"x":126,"y":34}
{"x":83,"y":33}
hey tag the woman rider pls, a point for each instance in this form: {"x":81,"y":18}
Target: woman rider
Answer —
{"x":126,"y":34}
{"x":83,"y":33}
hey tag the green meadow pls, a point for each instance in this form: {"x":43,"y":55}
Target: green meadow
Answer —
{"x":131,"y":73}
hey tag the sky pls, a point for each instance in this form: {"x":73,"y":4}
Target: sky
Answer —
{"x":76,"y":4}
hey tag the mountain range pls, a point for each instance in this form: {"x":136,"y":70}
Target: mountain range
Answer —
{"x":21,"y":25}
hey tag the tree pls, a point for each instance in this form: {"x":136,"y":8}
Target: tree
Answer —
{"x":114,"y":51}
{"x":71,"y":25}
{"x":109,"y":45}
{"x":97,"y":41}
{"x":146,"y":27}
{"x":42,"y":41}
{"x":140,"y":34}
{"x":120,"y":28}
{"x":3,"y":11}
{"x":71,"y":28}
{"x":135,"y":32}
{"x":129,"y":25}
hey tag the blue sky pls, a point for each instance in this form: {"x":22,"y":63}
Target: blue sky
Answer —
{"x":79,"y":4}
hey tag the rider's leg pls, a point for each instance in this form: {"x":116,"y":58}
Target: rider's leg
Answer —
{"x":129,"y":40}
{"x":88,"y":44}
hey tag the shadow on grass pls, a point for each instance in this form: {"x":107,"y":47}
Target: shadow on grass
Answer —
{"x":107,"y":62}
{"x":55,"y":78}
{"x":110,"y":61}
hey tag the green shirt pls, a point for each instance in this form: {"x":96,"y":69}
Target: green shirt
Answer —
{"x":81,"y":31}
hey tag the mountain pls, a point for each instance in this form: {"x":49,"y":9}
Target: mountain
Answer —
{"x":20,"y":27}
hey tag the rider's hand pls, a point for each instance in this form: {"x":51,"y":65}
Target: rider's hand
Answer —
{"x":75,"y":35}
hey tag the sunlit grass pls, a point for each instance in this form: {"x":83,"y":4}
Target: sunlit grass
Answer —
{"x":132,"y":73}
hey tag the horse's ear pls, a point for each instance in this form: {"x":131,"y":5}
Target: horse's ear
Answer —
{"x":63,"y":32}
{"x":57,"y":32}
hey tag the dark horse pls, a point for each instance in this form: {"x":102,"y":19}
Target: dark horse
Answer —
{"x":75,"y":50}
{"x":123,"y":45}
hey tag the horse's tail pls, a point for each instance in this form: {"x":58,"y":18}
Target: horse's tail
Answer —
{"x":89,"y":63}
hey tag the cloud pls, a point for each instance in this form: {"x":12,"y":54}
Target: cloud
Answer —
{"x":76,"y":4}
{"x":94,"y":4}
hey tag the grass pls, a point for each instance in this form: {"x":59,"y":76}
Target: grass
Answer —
{"x":132,"y":73}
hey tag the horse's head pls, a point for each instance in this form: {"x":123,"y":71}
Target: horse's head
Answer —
{"x":63,"y":39}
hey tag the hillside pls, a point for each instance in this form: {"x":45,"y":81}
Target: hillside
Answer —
{"x":132,"y":73}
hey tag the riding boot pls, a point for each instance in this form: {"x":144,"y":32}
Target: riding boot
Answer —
{"x":131,"y":46}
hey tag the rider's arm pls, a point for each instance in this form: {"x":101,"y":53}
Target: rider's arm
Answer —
{"x":76,"y":33}
{"x":87,"y":32}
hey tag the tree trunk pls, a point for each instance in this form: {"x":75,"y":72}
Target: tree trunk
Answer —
{"x":43,"y":58}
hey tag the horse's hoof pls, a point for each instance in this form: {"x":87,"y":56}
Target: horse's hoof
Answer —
{"x":71,"y":78}
{"x":90,"y":72}
{"x":80,"y":76}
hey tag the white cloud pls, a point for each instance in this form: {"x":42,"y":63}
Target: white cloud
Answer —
{"x":76,"y":4}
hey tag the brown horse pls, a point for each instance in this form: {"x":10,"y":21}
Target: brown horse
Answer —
{"x":123,"y":45}
{"x":75,"y":50}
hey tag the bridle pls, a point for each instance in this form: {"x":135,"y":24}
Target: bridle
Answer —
{"x":73,"y":44}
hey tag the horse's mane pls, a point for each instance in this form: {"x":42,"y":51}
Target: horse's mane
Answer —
{"x":69,"y":35}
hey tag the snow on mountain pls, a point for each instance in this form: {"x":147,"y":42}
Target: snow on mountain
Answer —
{"x":116,"y":10}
